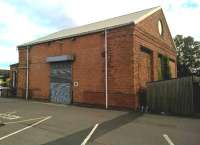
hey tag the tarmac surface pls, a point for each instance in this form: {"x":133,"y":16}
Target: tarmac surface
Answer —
{"x":37,"y":123}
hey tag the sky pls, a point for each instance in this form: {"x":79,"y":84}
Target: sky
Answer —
{"x":25,"y":20}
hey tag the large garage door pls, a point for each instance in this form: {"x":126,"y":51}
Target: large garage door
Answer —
{"x":61,"y":78}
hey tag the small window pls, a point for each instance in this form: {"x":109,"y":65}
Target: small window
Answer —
{"x":160,"y":27}
{"x":14,"y":77}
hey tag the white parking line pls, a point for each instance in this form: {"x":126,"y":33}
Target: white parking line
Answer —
{"x":9,"y":116}
{"x":90,"y":134}
{"x":168,"y":139}
{"x":13,"y":112}
{"x":21,"y":121}
{"x":4,"y":137}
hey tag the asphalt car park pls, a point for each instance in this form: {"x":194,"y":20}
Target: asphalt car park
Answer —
{"x":36,"y":123}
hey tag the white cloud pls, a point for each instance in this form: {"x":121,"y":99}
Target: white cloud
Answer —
{"x":90,"y":11}
{"x":183,"y":20}
{"x":17,"y":29}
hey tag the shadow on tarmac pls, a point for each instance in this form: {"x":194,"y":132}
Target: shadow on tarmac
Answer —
{"x":105,"y":127}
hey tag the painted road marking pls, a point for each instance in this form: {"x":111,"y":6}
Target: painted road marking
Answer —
{"x":21,"y":121}
{"x":168,"y":139}
{"x":13,"y":112}
{"x":89,"y":135}
{"x":9,"y":115}
{"x":6,"y":136}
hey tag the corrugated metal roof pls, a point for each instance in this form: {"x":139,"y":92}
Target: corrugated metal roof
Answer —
{"x":94,"y":27}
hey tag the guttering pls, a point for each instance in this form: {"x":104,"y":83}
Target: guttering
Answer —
{"x":27,"y":72}
{"x":106,"y":67}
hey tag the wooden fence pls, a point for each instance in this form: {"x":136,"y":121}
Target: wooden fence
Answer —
{"x":178,"y":96}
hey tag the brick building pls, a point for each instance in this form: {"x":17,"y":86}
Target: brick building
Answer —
{"x":13,"y":75}
{"x":104,"y":63}
{"x":4,"y":75}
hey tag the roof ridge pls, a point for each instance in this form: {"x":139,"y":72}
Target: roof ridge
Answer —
{"x":115,"y":17}
{"x":105,"y":19}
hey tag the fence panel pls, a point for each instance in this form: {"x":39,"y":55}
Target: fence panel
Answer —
{"x":196,"y":93}
{"x":180,"y":96}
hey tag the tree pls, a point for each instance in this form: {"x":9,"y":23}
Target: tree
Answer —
{"x":188,"y":56}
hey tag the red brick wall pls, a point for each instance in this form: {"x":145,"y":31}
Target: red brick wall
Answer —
{"x":120,"y":80}
{"x":146,"y":34}
{"x":120,"y":54}
{"x":21,"y":73}
{"x":119,"y":71}
{"x":150,"y":25}
{"x":145,"y":67}
{"x":88,"y":67}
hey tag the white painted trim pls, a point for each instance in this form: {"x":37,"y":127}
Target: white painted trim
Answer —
{"x":89,"y":135}
{"x":168,"y":139}
{"x":147,"y":15}
{"x":18,"y":131}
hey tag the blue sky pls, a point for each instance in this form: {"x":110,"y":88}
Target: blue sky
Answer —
{"x":26,"y":20}
{"x":190,"y":4}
